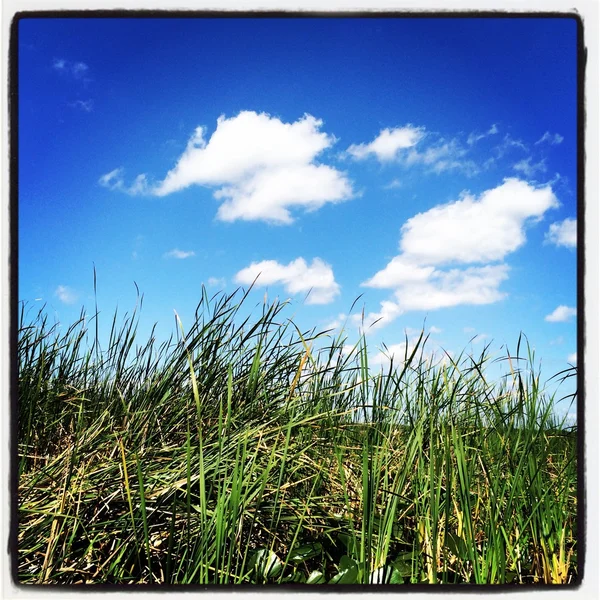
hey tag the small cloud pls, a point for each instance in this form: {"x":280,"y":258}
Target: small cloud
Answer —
{"x":563,"y":233}
{"x":479,"y":338}
{"x":550,"y":138}
{"x":393,"y":185}
{"x":114,"y":181}
{"x":84,"y":105}
{"x":216,"y":282}
{"x":435,"y":330}
{"x":561,"y":314}
{"x":316,"y":279}
{"x":179,"y":254}
{"x":75,"y":69}
{"x":476,"y":136}
{"x":557,"y":341}
{"x":469,"y":329}
{"x":572,"y":358}
{"x":388,"y":143}
{"x":66,"y":294}
{"x":524,"y":166}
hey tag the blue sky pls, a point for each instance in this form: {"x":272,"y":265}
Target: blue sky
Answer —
{"x":427,"y":164}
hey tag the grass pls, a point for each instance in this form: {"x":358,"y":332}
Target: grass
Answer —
{"x":252,"y":452}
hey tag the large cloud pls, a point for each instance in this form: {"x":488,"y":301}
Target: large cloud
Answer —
{"x":296,"y":277}
{"x":476,"y":230}
{"x":464,"y":235}
{"x":261,"y":166}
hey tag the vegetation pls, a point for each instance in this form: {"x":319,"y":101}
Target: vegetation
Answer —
{"x":253,"y":452}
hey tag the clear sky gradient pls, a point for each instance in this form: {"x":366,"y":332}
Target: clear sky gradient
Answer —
{"x":427,"y":164}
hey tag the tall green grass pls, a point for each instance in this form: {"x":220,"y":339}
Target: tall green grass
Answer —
{"x":244,"y":450}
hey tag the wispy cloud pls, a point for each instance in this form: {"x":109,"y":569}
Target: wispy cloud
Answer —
{"x":388,"y":143}
{"x":179,"y":254}
{"x":563,"y":233}
{"x":561,"y":314}
{"x":550,"y":138}
{"x":261,"y":168}
{"x":572,"y":358}
{"x":84,"y":105}
{"x":475,"y":136}
{"x":296,"y":277}
{"x":76,"y":69}
{"x":65,"y":294}
{"x":114,"y":181}
{"x":216,"y":282}
{"x":528,"y":169}
{"x":508,"y":144}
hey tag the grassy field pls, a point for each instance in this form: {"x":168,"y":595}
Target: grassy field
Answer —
{"x":247,"y":451}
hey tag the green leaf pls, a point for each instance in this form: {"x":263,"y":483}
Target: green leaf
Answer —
{"x":316,"y":577}
{"x":296,"y":577}
{"x":266,"y":564}
{"x":402,"y":565}
{"x":305,"y":552}
{"x":348,"y":571}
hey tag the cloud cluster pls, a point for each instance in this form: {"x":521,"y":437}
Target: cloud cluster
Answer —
{"x":470,"y":231}
{"x":561,"y":314}
{"x":563,"y":233}
{"x":261,"y":168}
{"x":316,"y":279}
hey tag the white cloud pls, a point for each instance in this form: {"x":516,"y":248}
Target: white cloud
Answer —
{"x":389,"y":312}
{"x":475,"y":136}
{"x":261,"y":166}
{"x":468,"y":231}
{"x":76,"y":69}
{"x":524,"y":166}
{"x":216,"y":282}
{"x":479,"y":338}
{"x":444,"y":289}
{"x":66,"y":294}
{"x":551,"y":138}
{"x":561,"y":313}
{"x":388,"y":143}
{"x":563,"y":233}
{"x":296,"y":277}
{"x":572,"y":358}
{"x":180,"y":254}
{"x":435,"y":330}
{"x":114,"y":181}
{"x":443,"y":156}
{"x":508,"y":143}
{"x":398,"y":271}
{"x":473,"y":230}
